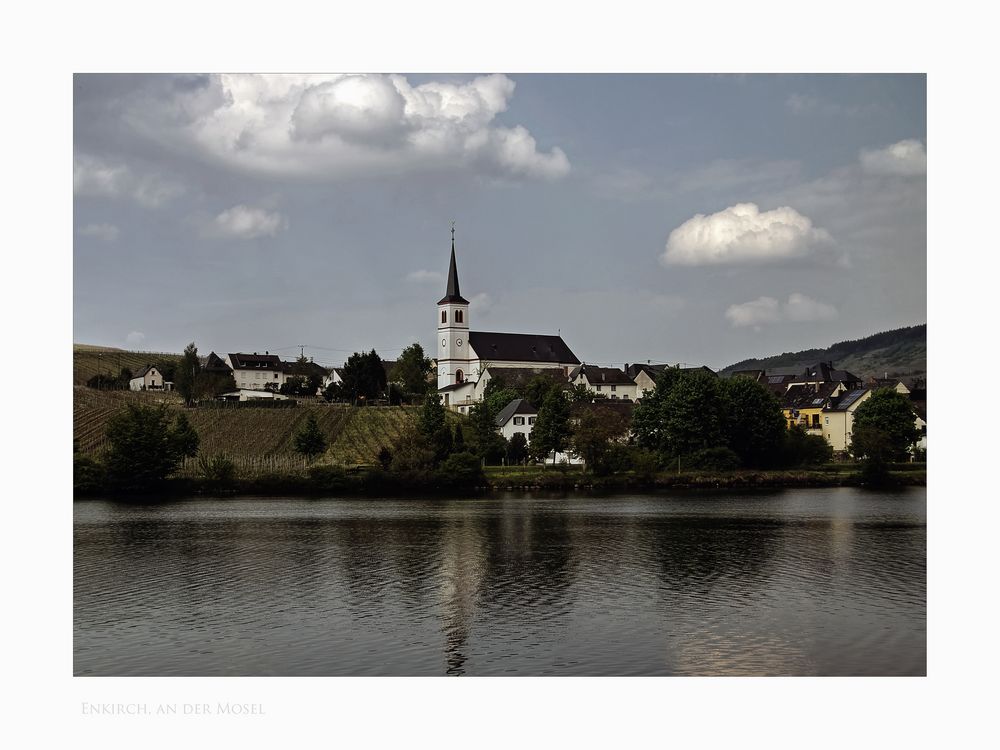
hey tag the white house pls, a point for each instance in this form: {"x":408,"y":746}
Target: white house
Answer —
{"x":150,"y":379}
{"x":463,"y":355}
{"x":520,"y":416}
{"x":605,"y":381}
{"x":255,"y":371}
{"x":838,"y":418}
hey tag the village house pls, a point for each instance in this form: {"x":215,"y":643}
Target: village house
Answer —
{"x":644,"y":375}
{"x":517,"y":416}
{"x":803,"y":404}
{"x":464,"y":355}
{"x":149,"y":379}
{"x":256,"y":371}
{"x":604,"y":381}
{"x":838,"y":418}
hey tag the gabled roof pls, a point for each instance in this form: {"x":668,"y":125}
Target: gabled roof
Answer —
{"x":601,"y":375}
{"x":521,"y":347}
{"x":256,"y":361}
{"x":517,"y":406}
{"x":215,"y":363}
{"x":518,"y":377}
{"x":653,"y":370}
{"x":808,"y":396}
{"x":845,"y":401}
{"x":143,"y":372}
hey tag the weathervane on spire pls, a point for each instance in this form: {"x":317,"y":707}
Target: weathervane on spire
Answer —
{"x":453,"y":232}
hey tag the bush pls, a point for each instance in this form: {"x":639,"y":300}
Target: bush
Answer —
{"x":802,"y":449}
{"x":645,"y":463}
{"x":88,"y":475}
{"x":327,"y":478}
{"x":144,"y":448}
{"x":217,"y":470}
{"x":713,"y":459}
{"x":461,"y":470}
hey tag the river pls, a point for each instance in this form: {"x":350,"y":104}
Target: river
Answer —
{"x":793,"y":582}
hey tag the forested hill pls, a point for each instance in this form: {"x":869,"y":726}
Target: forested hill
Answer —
{"x":902,"y":351}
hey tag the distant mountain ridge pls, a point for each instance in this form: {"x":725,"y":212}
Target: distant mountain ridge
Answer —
{"x":899,"y":352}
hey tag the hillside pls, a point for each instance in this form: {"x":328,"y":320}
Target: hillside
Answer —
{"x":899,"y":352}
{"x":92,"y":360}
{"x":257,"y":439}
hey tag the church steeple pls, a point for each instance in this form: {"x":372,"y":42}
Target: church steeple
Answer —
{"x":452,"y":295}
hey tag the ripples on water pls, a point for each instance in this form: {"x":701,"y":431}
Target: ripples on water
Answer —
{"x":797,"y":582}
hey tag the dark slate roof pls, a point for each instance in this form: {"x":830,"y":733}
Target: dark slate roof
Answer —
{"x":521,"y":347}
{"x":622,"y":407}
{"x":653,"y":370}
{"x":452,"y":294}
{"x":455,"y":386}
{"x":143,"y":372}
{"x":518,"y":377}
{"x":256,"y":361}
{"x":846,"y":400}
{"x":808,"y":396}
{"x":215,"y":363}
{"x":826,"y":372}
{"x":517,"y":406}
{"x":601,"y":375}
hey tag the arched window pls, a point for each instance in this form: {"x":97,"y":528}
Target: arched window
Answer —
{"x":459,"y":376}
{"x":458,"y":316}
{"x":444,"y":316}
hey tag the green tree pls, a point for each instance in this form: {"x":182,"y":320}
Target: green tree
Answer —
{"x":695,"y":414}
{"x":364,"y":377}
{"x":649,"y":417}
{"x":310,"y":441}
{"x":412,"y":370}
{"x":497,"y":393}
{"x":458,"y":439}
{"x":551,"y":431}
{"x":143,"y":448}
{"x":594,"y":433}
{"x":489,"y":444}
{"x":539,"y":388}
{"x":432,"y":417}
{"x":186,"y":373}
{"x":890,"y":413}
{"x":754,"y":422}
{"x":184,"y":437}
{"x":802,"y":449}
{"x":517,"y":449}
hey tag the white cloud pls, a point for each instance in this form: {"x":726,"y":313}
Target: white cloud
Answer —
{"x":95,"y":176}
{"x":330,"y":126}
{"x":480,"y":303}
{"x":135,"y":338}
{"x":104,"y":232}
{"x":802,"y":309}
{"x":244,"y":223}
{"x":763,"y":310}
{"x":743,"y":234}
{"x":905,"y":158}
{"x":423,"y":276}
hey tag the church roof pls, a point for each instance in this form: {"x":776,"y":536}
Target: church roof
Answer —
{"x":452,"y":294}
{"x":602,"y":375}
{"x":521,"y":347}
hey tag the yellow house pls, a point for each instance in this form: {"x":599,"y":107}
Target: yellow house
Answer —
{"x":803,"y":405}
{"x":838,"y":418}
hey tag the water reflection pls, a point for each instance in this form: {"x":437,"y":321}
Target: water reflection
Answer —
{"x":815,"y":582}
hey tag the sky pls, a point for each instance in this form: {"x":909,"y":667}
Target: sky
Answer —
{"x":697,"y":219}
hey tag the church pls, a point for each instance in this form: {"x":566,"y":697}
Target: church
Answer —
{"x":467,"y":359}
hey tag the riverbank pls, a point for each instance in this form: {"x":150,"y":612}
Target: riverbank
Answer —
{"x":325,"y":481}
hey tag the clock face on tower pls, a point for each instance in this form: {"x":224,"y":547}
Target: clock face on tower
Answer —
{"x":458,"y":342}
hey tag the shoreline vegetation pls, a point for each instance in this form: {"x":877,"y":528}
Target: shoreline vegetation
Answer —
{"x":321,"y":481}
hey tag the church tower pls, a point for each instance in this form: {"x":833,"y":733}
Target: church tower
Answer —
{"x":453,"y":329}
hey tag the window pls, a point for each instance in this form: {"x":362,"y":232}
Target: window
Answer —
{"x":458,"y":316}
{"x":598,"y":387}
{"x":614,"y":388}
{"x":531,"y":420}
{"x":459,"y":376}
{"x":275,"y":375}
{"x":518,"y":420}
{"x":827,"y":420}
{"x":444,"y":316}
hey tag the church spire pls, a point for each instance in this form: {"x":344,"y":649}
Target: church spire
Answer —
{"x":452,"y":294}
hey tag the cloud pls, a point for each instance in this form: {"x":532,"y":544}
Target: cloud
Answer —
{"x":763,"y":310}
{"x":333,"y":126}
{"x":104,"y":232}
{"x":423,"y":276}
{"x":809,"y":105}
{"x":743,"y":234}
{"x":244,"y":223}
{"x":480,"y":303}
{"x":905,"y":158}
{"x":135,"y":338}
{"x":94,"y":176}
